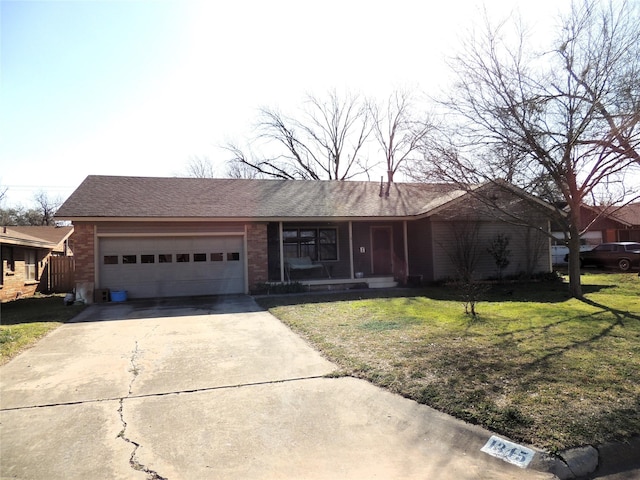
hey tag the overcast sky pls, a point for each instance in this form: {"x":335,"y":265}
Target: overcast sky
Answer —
{"x":137,"y":87}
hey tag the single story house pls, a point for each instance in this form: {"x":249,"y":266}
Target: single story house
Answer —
{"x":157,"y":237}
{"x":26,"y":252}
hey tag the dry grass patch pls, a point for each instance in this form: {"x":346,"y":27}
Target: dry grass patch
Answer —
{"x":536,"y":366}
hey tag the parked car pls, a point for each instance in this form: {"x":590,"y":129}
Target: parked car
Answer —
{"x":560,"y":253}
{"x":623,"y":255}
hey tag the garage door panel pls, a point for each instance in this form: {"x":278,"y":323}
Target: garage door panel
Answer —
{"x":150,"y":267}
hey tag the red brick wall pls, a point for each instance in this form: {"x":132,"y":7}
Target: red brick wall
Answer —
{"x":14,"y":284}
{"x":257,"y":260}
{"x":82,"y":242}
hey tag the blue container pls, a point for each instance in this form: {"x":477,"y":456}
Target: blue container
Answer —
{"x":118,"y":295}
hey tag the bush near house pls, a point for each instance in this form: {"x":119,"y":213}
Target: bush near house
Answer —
{"x":535,"y":365}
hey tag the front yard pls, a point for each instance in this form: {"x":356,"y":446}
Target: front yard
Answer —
{"x":535,"y":366}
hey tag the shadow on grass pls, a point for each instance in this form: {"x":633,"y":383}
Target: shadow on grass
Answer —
{"x":518,"y":392}
{"x":270,"y":301}
{"x":619,"y":314}
{"x":542,"y":292}
{"x":44,"y":309}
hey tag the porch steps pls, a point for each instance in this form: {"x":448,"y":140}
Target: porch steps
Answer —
{"x":349,"y":283}
{"x":381,"y":282}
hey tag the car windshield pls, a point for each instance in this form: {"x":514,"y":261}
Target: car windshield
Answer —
{"x":632,"y":246}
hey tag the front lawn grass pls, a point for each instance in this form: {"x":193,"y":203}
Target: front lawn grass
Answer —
{"x":24,"y":321}
{"x":535,"y":366}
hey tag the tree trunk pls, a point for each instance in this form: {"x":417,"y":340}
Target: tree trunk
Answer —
{"x":575,"y":285}
{"x":389,"y":182}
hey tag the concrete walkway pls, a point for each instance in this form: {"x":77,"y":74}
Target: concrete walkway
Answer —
{"x":214,"y":388}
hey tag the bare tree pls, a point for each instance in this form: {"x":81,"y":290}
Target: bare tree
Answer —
{"x":399,"y":131}
{"x":464,"y":248}
{"x":499,"y":250}
{"x":566,"y":121}
{"x":241,"y":170}
{"x":243,"y":159}
{"x":10,"y":216}
{"x":324,"y":142}
{"x":200,"y":167}
{"x":464,"y":254}
{"x":45,"y":209}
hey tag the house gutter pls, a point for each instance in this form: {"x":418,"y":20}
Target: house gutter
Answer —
{"x":241,"y":219}
{"x":23,"y":242}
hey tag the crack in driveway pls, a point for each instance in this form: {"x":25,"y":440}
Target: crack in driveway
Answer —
{"x":173,"y":392}
{"x":134,"y":368}
{"x":133,"y":462}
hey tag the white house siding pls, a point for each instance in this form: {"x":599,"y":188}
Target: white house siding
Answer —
{"x":443,"y":246}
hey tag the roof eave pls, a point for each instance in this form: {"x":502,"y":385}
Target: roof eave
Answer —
{"x":610,"y":216}
{"x":23,"y":242}
{"x":238,"y":219}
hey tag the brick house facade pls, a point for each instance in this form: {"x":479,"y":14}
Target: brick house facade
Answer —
{"x":84,"y":251}
{"x":257,"y":259}
{"x":25,"y":253}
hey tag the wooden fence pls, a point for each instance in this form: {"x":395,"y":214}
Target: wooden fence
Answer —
{"x":61,"y":275}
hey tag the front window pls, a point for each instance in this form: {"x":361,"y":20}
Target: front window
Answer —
{"x":7,"y":259}
{"x":315,"y":243}
{"x":7,"y":256}
{"x":30,"y":264}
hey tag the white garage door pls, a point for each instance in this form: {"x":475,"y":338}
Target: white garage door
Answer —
{"x":172,"y":266}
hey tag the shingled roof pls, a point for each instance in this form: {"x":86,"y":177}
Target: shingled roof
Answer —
{"x":159,"y":197}
{"x":629,"y":214}
{"x":35,"y":236}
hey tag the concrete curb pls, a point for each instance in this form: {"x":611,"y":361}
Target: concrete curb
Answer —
{"x":577,"y":463}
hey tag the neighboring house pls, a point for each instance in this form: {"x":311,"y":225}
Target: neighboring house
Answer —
{"x":627,"y":228}
{"x":26,"y":254}
{"x":621,"y":224}
{"x":157,"y":237}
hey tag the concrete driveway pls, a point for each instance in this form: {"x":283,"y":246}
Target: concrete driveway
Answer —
{"x":214,"y":388}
